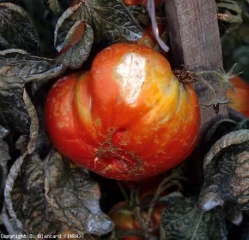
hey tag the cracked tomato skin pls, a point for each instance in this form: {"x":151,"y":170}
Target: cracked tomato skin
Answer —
{"x":127,"y":118}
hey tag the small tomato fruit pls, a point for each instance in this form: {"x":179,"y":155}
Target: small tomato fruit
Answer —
{"x":239,"y":96}
{"x":124,"y":219}
{"x":127,"y":118}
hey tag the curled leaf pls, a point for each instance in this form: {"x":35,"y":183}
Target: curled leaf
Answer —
{"x":4,"y":150}
{"x":17,"y":63}
{"x":73,"y":37}
{"x":226,"y":174}
{"x":4,"y":158}
{"x":12,"y":176}
{"x":78,"y":52}
{"x":34,"y":127}
{"x":69,"y":29}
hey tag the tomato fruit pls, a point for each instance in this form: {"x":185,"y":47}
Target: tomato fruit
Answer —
{"x":127,"y":118}
{"x":123,"y":218}
{"x":239,"y":97}
{"x":143,"y":2}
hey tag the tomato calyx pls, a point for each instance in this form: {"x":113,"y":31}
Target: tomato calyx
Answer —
{"x":185,"y":76}
{"x":223,"y":79}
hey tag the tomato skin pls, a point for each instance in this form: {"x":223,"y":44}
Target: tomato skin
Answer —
{"x":239,"y":97}
{"x":127,"y":118}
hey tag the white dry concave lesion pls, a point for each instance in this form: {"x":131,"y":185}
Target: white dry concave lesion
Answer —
{"x":131,"y":75}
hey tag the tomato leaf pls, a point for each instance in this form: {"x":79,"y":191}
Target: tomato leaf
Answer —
{"x":17,"y":68}
{"x":73,"y":37}
{"x":49,"y":196}
{"x":34,"y":125}
{"x":4,"y":157}
{"x":74,"y":197}
{"x":17,"y":29}
{"x":111,"y":20}
{"x":29,"y":68}
{"x":182,"y":219}
{"x":26,"y":145}
{"x":75,"y":56}
{"x":66,"y":31}
{"x":12,"y":106}
{"x":28,"y":199}
{"x":4,"y":150}
{"x":226,"y":175}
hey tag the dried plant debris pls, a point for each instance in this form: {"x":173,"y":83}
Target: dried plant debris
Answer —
{"x":226,"y":175}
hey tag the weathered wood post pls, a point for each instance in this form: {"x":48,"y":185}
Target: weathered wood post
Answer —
{"x":195,"y":43}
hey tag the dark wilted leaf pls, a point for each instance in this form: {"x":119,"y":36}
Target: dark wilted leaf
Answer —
{"x":73,"y":37}
{"x":74,"y":197}
{"x":4,"y":158}
{"x":13,"y":112}
{"x":11,"y":179}
{"x":139,"y":12}
{"x":4,"y":150}
{"x":28,"y":199}
{"x":111,"y":20}
{"x":34,"y":127}
{"x":69,"y":28}
{"x":182,"y":219}
{"x":226,"y":175}
{"x":17,"y":29}
{"x":9,"y":223}
{"x":18,"y":63}
{"x":75,"y":56}
{"x":17,"y":68}
{"x":50,"y":196}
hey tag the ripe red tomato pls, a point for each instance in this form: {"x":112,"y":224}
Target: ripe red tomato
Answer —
{"x":239,"y":96}
{"x":127,"y":118}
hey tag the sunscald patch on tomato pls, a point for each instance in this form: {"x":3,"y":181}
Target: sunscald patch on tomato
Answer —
{"x":127,"y":118}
